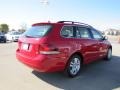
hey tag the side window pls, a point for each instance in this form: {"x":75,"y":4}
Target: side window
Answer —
{"x":82,"y":32}
{"x":96,"y":35}
{"x":67,"y":31}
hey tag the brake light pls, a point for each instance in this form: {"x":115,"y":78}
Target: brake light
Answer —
{"x":44,"y":47}
{"x":48,"y":49}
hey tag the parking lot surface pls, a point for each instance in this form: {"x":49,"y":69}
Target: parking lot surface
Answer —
{"x":100,"y":75}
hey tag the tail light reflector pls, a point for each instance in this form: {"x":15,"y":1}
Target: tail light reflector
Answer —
{"x":48,"y":49}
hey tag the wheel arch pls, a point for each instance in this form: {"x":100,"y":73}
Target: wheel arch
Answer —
{"x":76,"y":53}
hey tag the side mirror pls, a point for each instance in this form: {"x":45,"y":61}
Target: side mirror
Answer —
{"x":105,"y":38}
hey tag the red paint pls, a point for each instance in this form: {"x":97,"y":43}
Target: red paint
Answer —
{"x":90,"y":49}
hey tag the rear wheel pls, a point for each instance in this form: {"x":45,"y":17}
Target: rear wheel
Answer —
{"x":73,"y":66}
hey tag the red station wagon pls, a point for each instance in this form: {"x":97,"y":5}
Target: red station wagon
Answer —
{"x":62,"y":46}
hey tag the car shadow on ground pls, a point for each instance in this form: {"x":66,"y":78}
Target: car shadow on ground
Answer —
{"x":100,"y":75}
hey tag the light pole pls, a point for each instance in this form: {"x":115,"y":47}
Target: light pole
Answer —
{"x":45,"y":2}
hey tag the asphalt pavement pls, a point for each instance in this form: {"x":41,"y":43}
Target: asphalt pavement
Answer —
{"x":100,"y":75}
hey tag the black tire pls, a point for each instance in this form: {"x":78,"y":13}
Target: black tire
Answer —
{"x":73,"y":66}
{"x":109,"y":54}
{"x":5,"y":41}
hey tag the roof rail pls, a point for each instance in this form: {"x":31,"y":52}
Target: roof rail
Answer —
{"x":72,"y":22}
{"x":65,"y":22}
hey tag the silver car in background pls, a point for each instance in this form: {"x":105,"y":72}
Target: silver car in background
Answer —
{"x":13,"y":35}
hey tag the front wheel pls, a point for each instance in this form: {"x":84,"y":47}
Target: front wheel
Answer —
{"x":73,"y":66}
{"x":109,"y":54}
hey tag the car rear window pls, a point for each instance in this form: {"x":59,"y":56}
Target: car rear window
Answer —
{"x":37,"y":31}
{"x":17,"y":33}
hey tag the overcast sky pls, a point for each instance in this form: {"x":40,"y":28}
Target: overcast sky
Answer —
{"x":102,"y":14}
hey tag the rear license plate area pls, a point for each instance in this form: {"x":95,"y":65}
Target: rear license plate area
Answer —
{"x":25,"y":46}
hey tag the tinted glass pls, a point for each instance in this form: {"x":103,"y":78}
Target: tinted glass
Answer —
{"x":96,"y":34}
{"x":82,"y":32}
{"x":17,"y":33}
{"x":67,"y":31}
{"x":37,"y":31}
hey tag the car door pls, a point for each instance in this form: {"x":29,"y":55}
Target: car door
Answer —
{"x":89,"y":46}
{"x":101,"y":48}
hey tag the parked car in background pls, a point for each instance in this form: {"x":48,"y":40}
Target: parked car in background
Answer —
{"x":13,"y":35}
{"x":62,"y":46}
{"x":2,"y":37}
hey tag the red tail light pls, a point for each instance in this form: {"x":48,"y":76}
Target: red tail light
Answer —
{"x":45,"y":47}
{"x":48,"y":49}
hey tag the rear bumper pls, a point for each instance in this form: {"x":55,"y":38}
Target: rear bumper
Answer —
{"x":41,"y":63}
{"x":16,"y":39}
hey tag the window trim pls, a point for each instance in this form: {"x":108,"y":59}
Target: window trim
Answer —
{"x":75,"y":29}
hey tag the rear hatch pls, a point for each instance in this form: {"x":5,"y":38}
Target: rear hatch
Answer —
{"x":30,"y":41}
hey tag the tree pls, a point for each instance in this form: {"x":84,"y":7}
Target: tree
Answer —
{"x":4,"y":28}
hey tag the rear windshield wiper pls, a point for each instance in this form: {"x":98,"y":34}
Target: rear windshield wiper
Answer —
{"x":28,"y":36}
